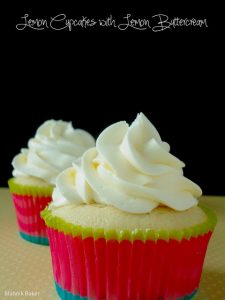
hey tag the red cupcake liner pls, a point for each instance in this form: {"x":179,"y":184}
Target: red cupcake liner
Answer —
{"x":28,"y":209}
{"x":111,"y":269}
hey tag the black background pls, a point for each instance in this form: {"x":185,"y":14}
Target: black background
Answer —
{"x":97,"y":77}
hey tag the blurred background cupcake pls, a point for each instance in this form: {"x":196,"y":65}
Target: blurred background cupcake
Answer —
{"x":125,"y":223}
{"x":55,"y":146}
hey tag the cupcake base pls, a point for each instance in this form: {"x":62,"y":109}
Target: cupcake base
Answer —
{"x":31,"y":227}
{"x":65,"y":295}
{"x":34,"y":239}
{"x":109,"y":269}
{"x":104,"y":264}
{"x":30,"y":196}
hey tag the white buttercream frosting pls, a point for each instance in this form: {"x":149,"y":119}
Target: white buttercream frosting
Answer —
{"x":55,"y":147}
{"x":130,"y":168}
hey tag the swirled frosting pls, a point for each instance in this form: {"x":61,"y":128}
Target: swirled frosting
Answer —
{"x":130,"y":168}
{"x":55,"y":146}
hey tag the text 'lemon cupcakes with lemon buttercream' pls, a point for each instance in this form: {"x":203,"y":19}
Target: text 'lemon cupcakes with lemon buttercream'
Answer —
{"x":125,"y":223}
{"x":55,"y":146}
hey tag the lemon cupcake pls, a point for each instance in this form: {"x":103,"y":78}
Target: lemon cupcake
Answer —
{"x":125,"y":223}
{"x":55,"y":146}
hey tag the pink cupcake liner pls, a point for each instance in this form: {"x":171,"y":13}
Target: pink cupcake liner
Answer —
{"x":28,"y":216}
{"x":111,"y":269}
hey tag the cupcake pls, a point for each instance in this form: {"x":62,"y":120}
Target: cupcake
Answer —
{"x":55,"y":146}
{"x":125,"y":223}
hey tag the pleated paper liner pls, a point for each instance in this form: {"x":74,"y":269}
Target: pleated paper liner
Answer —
{"x":29,"y":201}
{"x":29,"y":190}
{"x":102,"y":264}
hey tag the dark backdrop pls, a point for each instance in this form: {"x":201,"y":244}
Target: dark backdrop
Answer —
{"x":95,"y":78}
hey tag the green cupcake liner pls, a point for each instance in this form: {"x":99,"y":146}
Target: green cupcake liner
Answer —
{"x":19,"y":189}
{"x":41,"y":240}
{"x":120,"y":235}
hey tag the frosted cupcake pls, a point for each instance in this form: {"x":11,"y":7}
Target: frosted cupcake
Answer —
{"x":55,"y":146}
{"x":125,"y":223}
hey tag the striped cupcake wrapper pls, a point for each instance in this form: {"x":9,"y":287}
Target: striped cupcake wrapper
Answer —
{"x":29,"y":201}
{"x":31,"y":226}
{"x":97,"y":264}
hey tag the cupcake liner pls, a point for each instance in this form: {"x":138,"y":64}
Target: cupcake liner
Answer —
{"x":34,"y":239}
{"x":28,"y":208}
{"x":69,"y":296}
{"x":102,"y":264}
{"x":36,"y":191}
{"x":30,"y":223}
{"x":110,"y":269}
